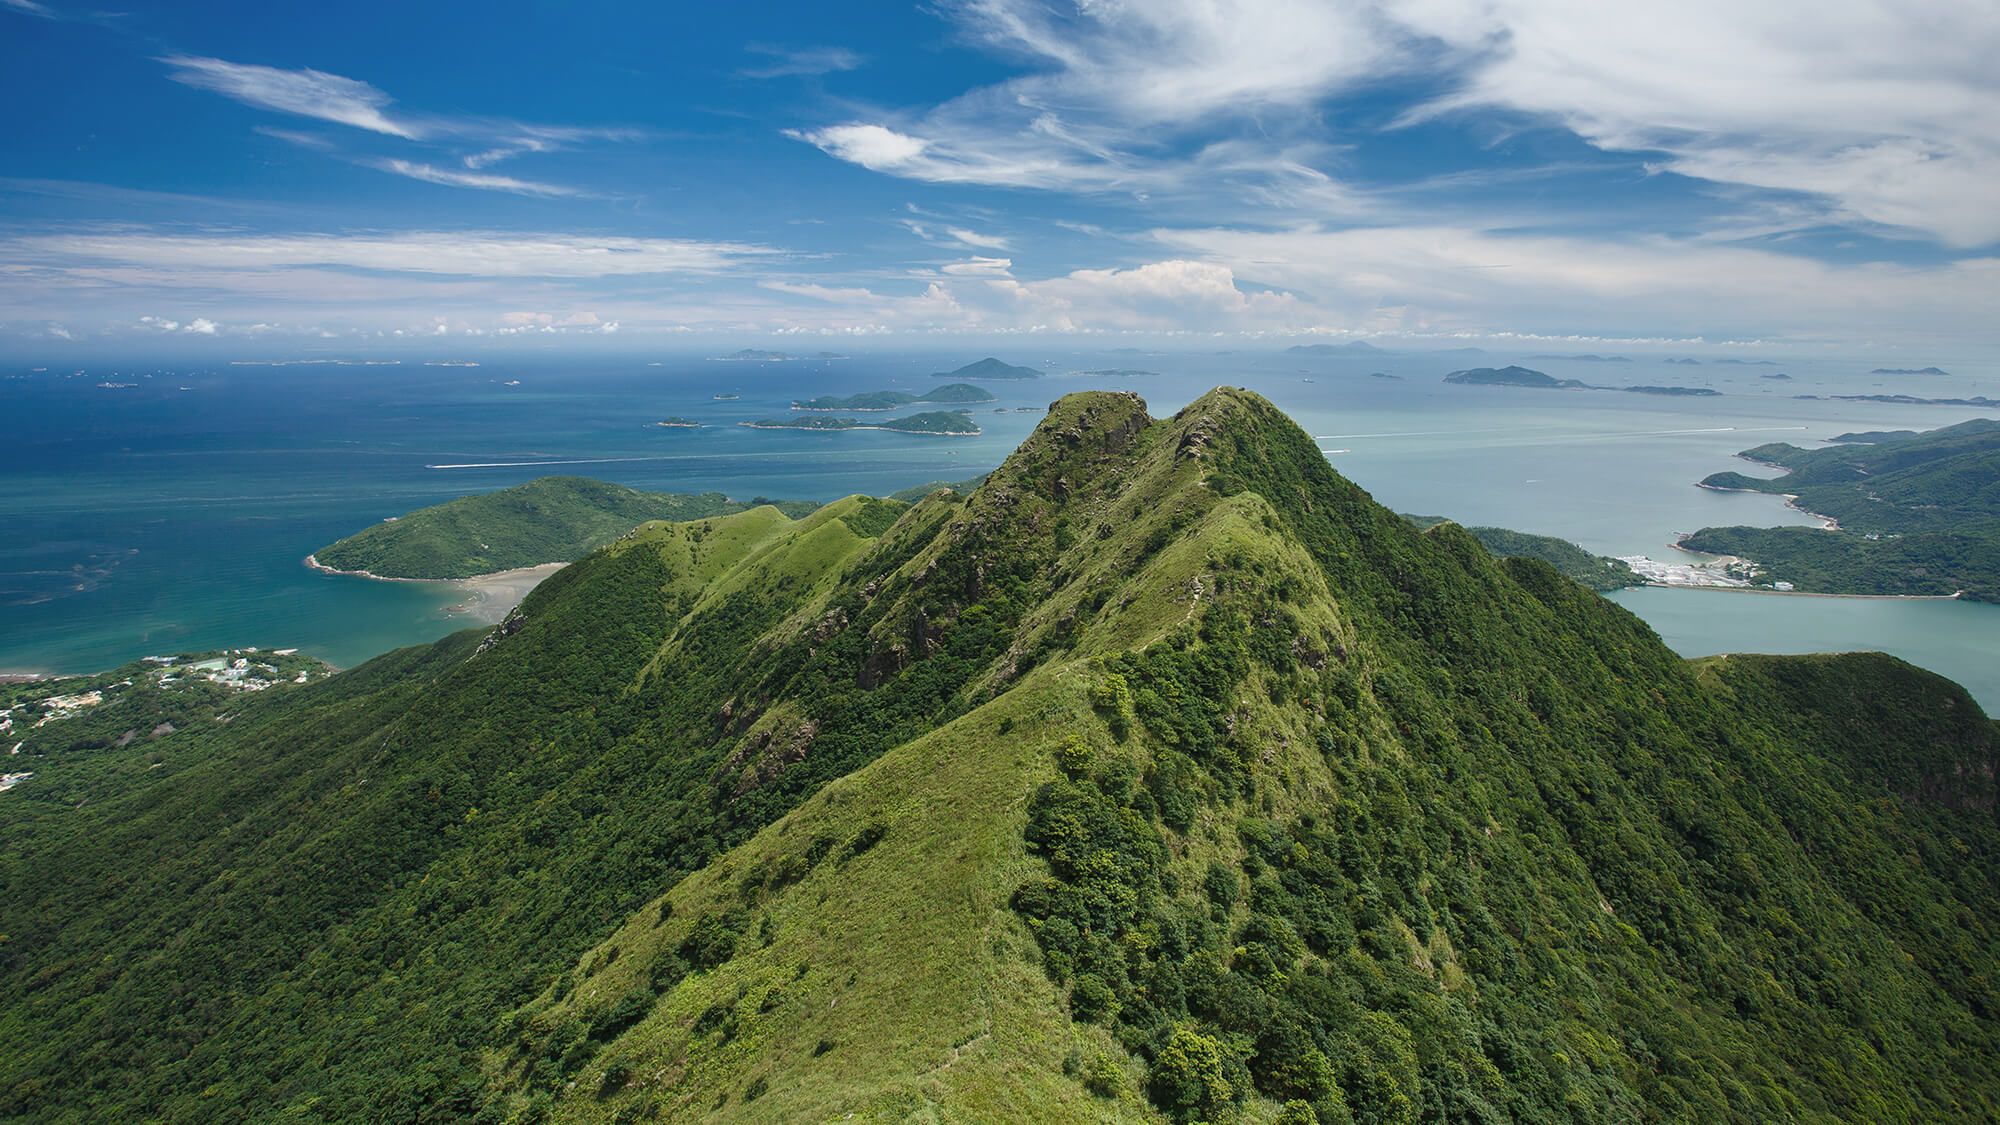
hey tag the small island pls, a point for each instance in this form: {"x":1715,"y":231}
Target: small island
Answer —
{"x":1666,"y":390}
{"x":895,"y":400}
{"x":942,"y":423}
{"x":1514,"y":376}
{"x":989,"y":368}
{"x":678,"y":422}
{"x":1909,"y":371}
{"x":725,"y":398}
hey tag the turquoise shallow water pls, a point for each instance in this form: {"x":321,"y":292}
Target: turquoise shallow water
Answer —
{"x":150,"y":517}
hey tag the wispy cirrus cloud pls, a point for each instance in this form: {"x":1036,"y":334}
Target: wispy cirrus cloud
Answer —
{"x":492,"y":254}
{"x":1888,"y":114}
{"x":482,"y":181}
{"x":302,"y":93}
{"x":347,"y":101}
{"x":799,"y":61}
{"x":31,"y":8}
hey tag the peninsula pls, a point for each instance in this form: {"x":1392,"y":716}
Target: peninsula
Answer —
{"x":547,"y":520}
{"x":1909,"y":513}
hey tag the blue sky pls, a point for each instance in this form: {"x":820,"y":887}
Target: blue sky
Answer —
{"x":1784,"y":174}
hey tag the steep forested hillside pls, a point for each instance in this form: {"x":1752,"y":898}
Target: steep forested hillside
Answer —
{"x":1163,"y":777}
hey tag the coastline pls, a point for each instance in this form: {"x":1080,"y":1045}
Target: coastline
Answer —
{"x":1677,"y":546}
{"x":489,"y":597}
{"x":1797,"y":593}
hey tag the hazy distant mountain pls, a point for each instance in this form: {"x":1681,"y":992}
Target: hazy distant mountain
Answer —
{"x":1352,"y":347}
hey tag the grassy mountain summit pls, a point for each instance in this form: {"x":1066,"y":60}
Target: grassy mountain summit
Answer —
{"x":1164,"y":776}
{"x":549,"y":519}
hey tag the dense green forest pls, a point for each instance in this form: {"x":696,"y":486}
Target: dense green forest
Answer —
{"x":549,"y":519}
{"x":1919,"y":513}
{"x":1596,"y":572}
{"x":1163,"y":776}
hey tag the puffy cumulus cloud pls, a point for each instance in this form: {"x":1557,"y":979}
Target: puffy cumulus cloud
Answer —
{"x":1172,"y":296}
{"x":200,"y":326}
{"x":303,"y":93}
{"x":1169,"y":296}
{"x":472,"y":254}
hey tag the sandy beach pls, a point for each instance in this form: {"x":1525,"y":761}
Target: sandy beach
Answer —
{"x":488,"y":597}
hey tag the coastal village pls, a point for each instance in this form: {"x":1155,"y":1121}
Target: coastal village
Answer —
{"x":44,"y":715}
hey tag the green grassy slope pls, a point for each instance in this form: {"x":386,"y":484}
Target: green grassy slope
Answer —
{"x":1164,"y":776}
{"x":550,"y":519}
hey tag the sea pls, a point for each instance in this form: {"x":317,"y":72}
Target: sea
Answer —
{"x":150,"y":506}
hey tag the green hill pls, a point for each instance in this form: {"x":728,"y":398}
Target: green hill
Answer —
{"x":1165,"y":776}
{"x":1919,"y":513}
{"x":550,"y":519}
{"x":1596,"y":572}
{"x":989,"y":368}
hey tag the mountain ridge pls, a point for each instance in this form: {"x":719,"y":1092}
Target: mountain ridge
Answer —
{"x":753,"y":818}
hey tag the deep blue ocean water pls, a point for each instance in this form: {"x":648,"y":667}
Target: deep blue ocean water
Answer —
{"x":174,"y":513}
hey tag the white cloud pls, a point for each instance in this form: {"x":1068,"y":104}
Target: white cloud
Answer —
{"x":1445,"y":279}
{"x":30,"y":7}
{"x":472,"y":254}
{"x":1889,"y":113}
{"x":790,"y":61}
{"x":980,"y":267}
{"x":872,"y":146}
{"x":983,"y":241}
{"x":1892,"y":110}
{"x":483,"y":181}
{"x":306,"y":93}
{"x":202,"y":326}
